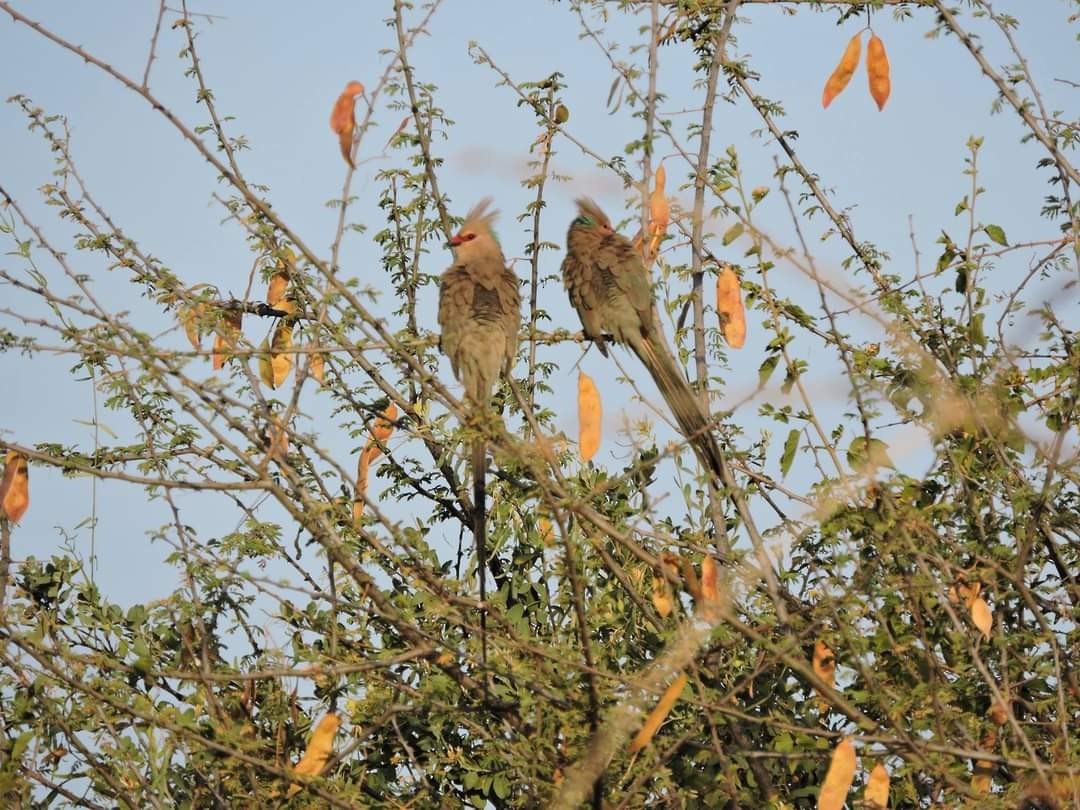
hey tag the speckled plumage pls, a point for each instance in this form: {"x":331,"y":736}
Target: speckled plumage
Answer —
{"x":609,"y":287}
{"x":479,"y":308}
{"x":479,"y":318}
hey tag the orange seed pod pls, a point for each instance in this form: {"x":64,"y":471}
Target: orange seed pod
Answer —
{"x":343,"y":119}
{"x":589,"y":416}
{"x":877,"y":788}
{"x":318,"y":365}
{"x":275,"y":291}
{"x":710,"y":592}
{"x":981,"y":616}
{"x":362,"y":466}
{"x":318,"y":750}
{"x":839,"y":777}
{"x":659,"y":210}
{"x":877,"y":69}
{"x":659,"y":714}
{"x":228,"y":332}
{"x":661,"y":596}
{"x":15,"y":487}
{"x":381,"y":429}
{"x":843,"y":72}
{"x":730,"y":307}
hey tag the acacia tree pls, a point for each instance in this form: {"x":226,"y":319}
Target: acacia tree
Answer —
{"x":924,"y":619}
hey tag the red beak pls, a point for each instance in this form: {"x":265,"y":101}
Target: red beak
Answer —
{"x":455,"y":241}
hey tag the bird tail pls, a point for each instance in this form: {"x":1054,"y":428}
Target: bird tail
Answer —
{"x":682,"y":401}
{"x":479,"y":529}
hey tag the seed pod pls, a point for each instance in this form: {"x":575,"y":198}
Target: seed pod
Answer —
{"x":824,"y":664}
{"x":710,"y":592}
{"x":274,"y":369}
{"x":999,"y":713}
{"x":189,"y":316}
{"x":318,"y":365}
{"x":661,"y":596}
{"x":981,"y":616}
{"x":381,"y":429}
{"x":730,"y":307}
{"x":877,"y":789}
{"x":318,"y":750}
{"x":275,"y":291}
{"x":362,"y":466}
{"x":659,"y":714}
{"x":589,"y":417}
{"x":877,"y":69}
{"x":546,"y":531}
{"x":15,"y":487}
{"x":343,"y":118}
{"x":839,"y":777}
{"x":228,"y":332}
{"x":693,"y":584}
{"x":842,"y":74}
{"x":982,"y":775}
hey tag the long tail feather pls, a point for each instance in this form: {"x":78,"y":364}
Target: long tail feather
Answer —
{"x":479,"y":528}
{"x":682,"y":401}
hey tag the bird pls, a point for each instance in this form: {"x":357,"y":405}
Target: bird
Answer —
{"x":609,"y":287}
{"x":479,"y":318}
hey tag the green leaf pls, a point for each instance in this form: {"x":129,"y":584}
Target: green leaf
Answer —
{"x":996,"y":234}
{"x":732,"y":233}
{"x":20,"y":745}
{"x":791,"y":444}
{"x":767,"y":368}
{"x":862,"y":454}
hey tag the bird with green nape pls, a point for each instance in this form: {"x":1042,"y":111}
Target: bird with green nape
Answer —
{"x":609,"y":287}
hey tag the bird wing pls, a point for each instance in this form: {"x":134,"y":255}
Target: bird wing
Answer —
{"x":455,"y":307}
{"x":585,"y":296}
{"x":510,"y":297}
{"x":615,"y":255}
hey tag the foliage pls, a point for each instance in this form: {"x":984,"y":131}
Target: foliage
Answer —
{"x":604,"y":594}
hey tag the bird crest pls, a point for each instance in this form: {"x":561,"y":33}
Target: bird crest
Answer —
{"x":480,"y":219}
{"x":590,"y":215}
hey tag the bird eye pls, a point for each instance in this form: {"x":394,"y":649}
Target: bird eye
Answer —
{"x":468,"y":236}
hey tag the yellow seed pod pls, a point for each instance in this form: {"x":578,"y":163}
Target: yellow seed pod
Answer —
{"x":590,"y":414}
{"x":318,"y":750}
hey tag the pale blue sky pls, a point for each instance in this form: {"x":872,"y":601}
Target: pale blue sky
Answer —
{"x":277,"y":68}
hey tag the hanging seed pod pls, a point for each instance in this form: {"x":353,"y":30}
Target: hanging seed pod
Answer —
{"x":228,"y":333}
{"x":318,"y":365}
{"x":877,"y":69}
{"x":343,"y":118}
{"x":318,"y":750}
{"x":658,"y":715}
{"x":843,"y":72}
{"x":589,"y":416}
{"x":15,"y":487}
{"x":839,"y":777}
{"x":730,"y":307}
{"x":877,"y":788}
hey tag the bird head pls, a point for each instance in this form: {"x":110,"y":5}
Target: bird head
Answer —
{"x":353,"y":89}
{"x":476,"y":235}
{"x":591,"y":218}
